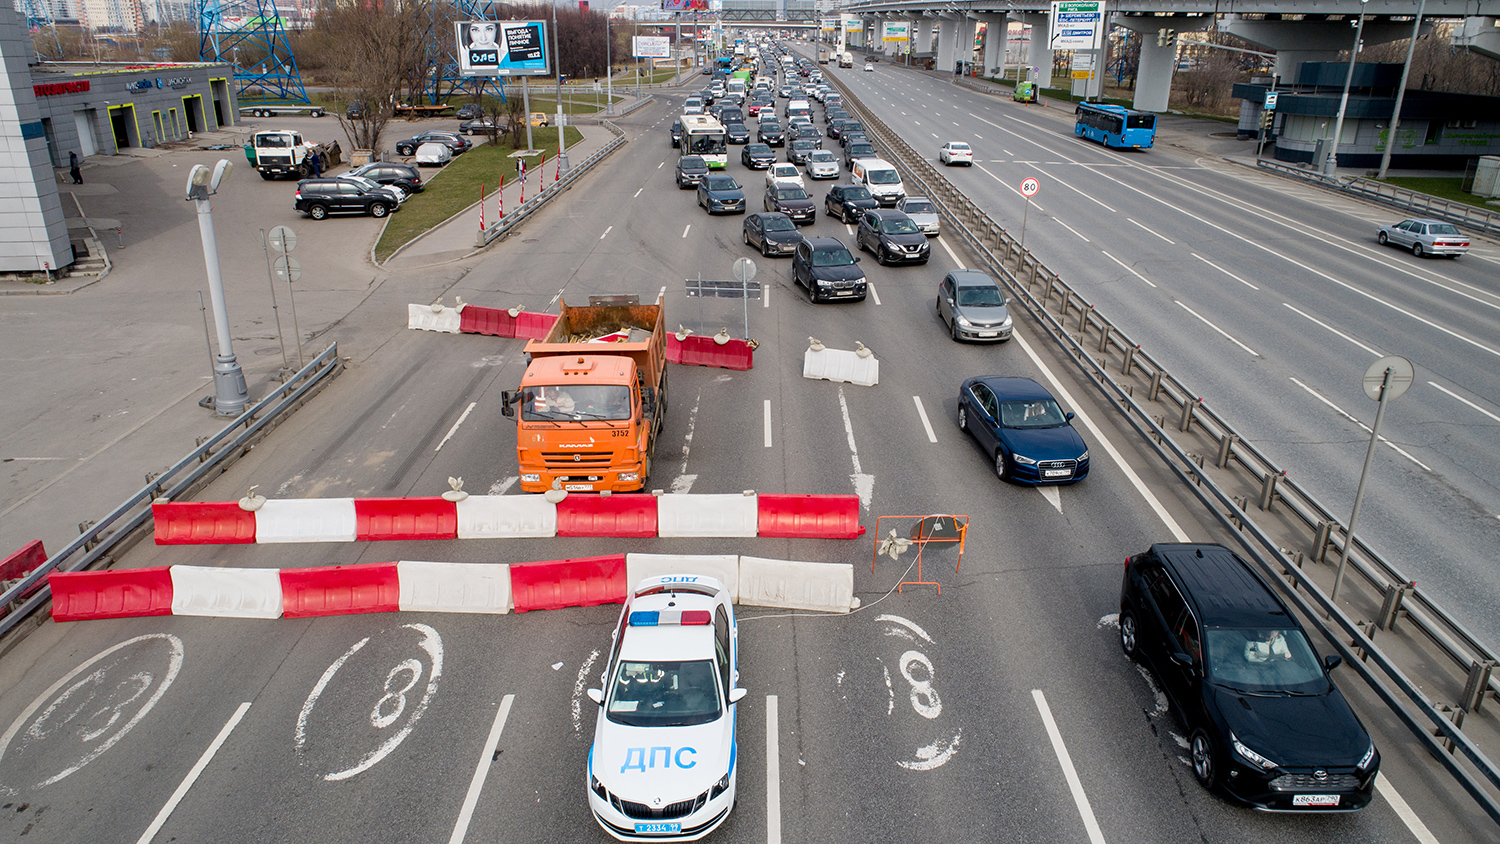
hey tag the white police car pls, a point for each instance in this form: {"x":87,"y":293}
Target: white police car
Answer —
{"x":662,"y":763}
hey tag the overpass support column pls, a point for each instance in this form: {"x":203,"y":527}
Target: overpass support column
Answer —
{"x":1296,"y":42}
{"x":947,"y":52}
{"x":995,"y":38}
{"x":921,"y":36}
{"x":1038,"y":50}
{"x":1153,"y":79}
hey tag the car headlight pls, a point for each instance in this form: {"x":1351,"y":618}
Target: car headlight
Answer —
{"x":531,"y":479}
{"x":1083,"y":457}
{"x":964,"y":322}
{"x":598,"y":787}
{"x":630,"y":476}
{"x":723,"y":785}
{"x":1364,"y":761}
{"x":1027,"y":461}
{"x":1251,"y":756}
{"x":1007,"y":324}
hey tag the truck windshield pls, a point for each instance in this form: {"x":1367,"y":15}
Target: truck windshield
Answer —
{"x":575,"y":401}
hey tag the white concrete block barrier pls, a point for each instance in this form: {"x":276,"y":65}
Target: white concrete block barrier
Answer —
{"x":732,"y":515}
{"x":226,"y":592}
{"x":454,"y":587}
{"x":791,"y":584}
{"x":724,"y":568}
{"x":840,"y":365}
{"x":424,"y":318}
{"x":305,"y":520}
{"x":497,"y":516}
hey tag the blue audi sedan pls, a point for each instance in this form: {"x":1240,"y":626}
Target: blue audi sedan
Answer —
{"x":1019,"y":423}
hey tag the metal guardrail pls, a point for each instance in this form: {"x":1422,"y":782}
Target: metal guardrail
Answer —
{"x":488,"y":234}
{"x":1397,"y":197}
{"x":1057,"y":307}
{"x":215,"y":454}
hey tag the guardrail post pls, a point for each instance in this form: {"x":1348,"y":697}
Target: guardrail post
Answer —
{"x":1186,"y":422}
{"x":1479,"y":679}
{"x":1067,"y":301}
{"x":1047,"y":291}
{"x":1104,"y":333}
{"x":1129,"y":362}
{"x":1268,"y":490}
{"x":1391,"y":604}
{"x":1320,"y":541}
{"x":1031,"y":280}
{"x":1083,"y":320}
{"x":1155,"y":385}
{"x":1225,"y":444}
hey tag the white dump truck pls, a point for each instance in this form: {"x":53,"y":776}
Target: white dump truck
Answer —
{"x":284,"y":152}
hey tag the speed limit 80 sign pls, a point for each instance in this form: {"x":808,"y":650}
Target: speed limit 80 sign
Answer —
{"x":1030,"y":187}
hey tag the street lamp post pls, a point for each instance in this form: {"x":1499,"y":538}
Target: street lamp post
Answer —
{"x":562,"y":151}
{"x":1390,"y":137}
{"x":609,"y":69}
{"x":230,"y":393}
{"x":1331,"y":163}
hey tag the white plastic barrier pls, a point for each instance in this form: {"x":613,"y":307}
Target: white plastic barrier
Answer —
{"x":305,"y":520}
{"x":424,"y":318}
{"x":797,"y":585}
{"x":226,"y":592}
{"x":454,"y":587}
{"x":492,"y":516}
{"x":721,"y":567}
{"x":734,"y":514}
{"x":841,"y":365}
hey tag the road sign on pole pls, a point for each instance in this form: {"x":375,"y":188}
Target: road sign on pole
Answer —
{"x":1029,"y":187}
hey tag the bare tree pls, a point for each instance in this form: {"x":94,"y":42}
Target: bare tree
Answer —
{"x":370,"y":55}
{"x":1437,"y":65}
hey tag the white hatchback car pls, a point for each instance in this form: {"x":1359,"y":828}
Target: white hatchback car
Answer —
{"x":922,"y":212}
{"x":784,"y":172}
{"x":662,"y":766}
{"x":822,"y":164}
{"x":956,"y":152}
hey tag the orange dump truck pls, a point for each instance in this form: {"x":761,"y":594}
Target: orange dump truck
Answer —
{"x":593,"y":398}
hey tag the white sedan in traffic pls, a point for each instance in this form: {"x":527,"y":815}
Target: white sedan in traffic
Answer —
{"x":784,"y":172}
{"x":662,"y":766}
{"x":822,"y":164}
{"x":869,"y":68}
{"x":956,"y":152}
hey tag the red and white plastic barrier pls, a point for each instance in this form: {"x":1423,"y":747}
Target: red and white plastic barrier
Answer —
{"x":507,"y":516}
{"x":410,"y":586}
{"x":473,"y":319}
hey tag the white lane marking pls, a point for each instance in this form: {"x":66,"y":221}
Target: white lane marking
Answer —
{"x":1053,"y":496}
{"x":1080,"y":799}
{"x":1205,"y":321}
{"x":1135,"y":480}
{"x":192,"y":775}
{"x":849,"y":227}
{"x":683,"y":483}
{"x":499,"y":487}
{"x":454,"y":429}
{"x":486,"y":756}
{"x":864,"y":484}
{"x":1162,"y":236}
{"x":1127,"y":268}
{"x":1075,"y":231}
{"x":933,"y":134}
{"x":1404,"y":811}
{"x":949,"y":250}
{"x":874,"y":294}
{"x":575,"y":705}
{"x":688,"y":229}
{"x":637,"y":192}
{"x":1366,"y":428}
{"x":1323,"y":324}
{"x":1224,"y":271}
{"x":1464,"y":400}
{"x":766,"y":420}
{"x":773,"y":772}
{"x":765,"y":296}
{"x":926,"y":423}
{"x":661,"y":165}
{"x":606,"y":232}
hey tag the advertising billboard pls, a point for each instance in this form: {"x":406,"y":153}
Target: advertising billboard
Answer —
{"x":651,"y":47}
{"x":1076,"y":25}
{"x":502,"y":48}
{"x":895,"y":31}
{"x":828,"y":25}
{"x":684,"y":5}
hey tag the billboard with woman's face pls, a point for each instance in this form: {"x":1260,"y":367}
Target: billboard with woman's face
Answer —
{"x":502,"y":48}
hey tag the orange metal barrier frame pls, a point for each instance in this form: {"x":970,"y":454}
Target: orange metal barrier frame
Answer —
{"x":929,"y":528}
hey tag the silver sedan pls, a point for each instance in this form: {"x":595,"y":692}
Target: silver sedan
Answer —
{"x":1425,"y":237}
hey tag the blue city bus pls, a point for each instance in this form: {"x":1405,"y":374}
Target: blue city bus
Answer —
{"x":1115,"y":126}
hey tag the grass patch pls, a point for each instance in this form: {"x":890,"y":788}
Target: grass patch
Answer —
{"x":1442,"y":187}
{"x":456,"y":187}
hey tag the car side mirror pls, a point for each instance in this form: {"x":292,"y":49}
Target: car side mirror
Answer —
{"x":735,"y":695}
{"x":1332,"y":661}
{"x":596,"y":695}
{"x":506,"y":397}
{"x":1182,"y":659}
{"x":1068,"y":416}
{"x":856,"y":260}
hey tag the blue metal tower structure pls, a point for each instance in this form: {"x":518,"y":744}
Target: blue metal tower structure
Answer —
{"x":232,"y":31}
{"x":445,"y":59}
{"x":38,"y":13}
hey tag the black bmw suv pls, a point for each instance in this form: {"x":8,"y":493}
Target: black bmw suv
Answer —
{"x":1266,"y":723}
{"x":320,"y":197}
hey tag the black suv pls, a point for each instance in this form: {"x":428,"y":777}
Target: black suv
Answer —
{"x":403,"y":176}
{"x":320,"y":197}
{"x":858,"y":149}
{"x":792,"y":200}
{"x":455,"y":144}
{"x":1267,"y":724}
{"x":770,"y":133}
{"x":757,"y":156}
{"x":847,"y":202}
{"x":469,"y":111}
{"x":676,"y":133}
{"x":690,"y":171}
{"x":892,"y":236}
{"x":826,"y":268}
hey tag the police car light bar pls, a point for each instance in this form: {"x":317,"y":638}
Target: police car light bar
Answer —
{"x":658,"y":618}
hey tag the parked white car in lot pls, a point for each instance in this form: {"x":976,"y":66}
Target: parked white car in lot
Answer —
{"x":433,"y":154}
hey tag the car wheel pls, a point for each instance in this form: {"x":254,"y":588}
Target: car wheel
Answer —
{"x":1128,"y":632}
{"x":765,"y":249}
{"x":880,"y":256}
{"x":1205,"y":759}
{"x":1000,"y":465}
{"x":317,"y":212}
{"x":1416,"y":249}
{"x":378,"y":210}
{"x":963,"y":418}
{"x":1381,"y":238}
{"x":745,"y":236}
{"x":953,"y":330}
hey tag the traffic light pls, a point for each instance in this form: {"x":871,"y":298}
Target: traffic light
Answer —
{"x":1166,"y":37}
{"x":1266,"y":119}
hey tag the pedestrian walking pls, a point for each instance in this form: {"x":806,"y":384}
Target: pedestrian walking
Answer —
{"x":316,"y":162}
{"x":73,"y":168}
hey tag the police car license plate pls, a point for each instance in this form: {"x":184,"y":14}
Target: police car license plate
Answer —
{"x":989,"y":334}
{"x":578,"y":487}
{"x":1056,"y":473}
{"x":658,"y":827}
{"x":1315,"y":799}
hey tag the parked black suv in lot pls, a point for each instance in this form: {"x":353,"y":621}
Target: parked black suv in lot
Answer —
{"x":1266,"y":723}
{"x":454,"y":143}
{"x":320,"y":197}
{"x":403,"y":176}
